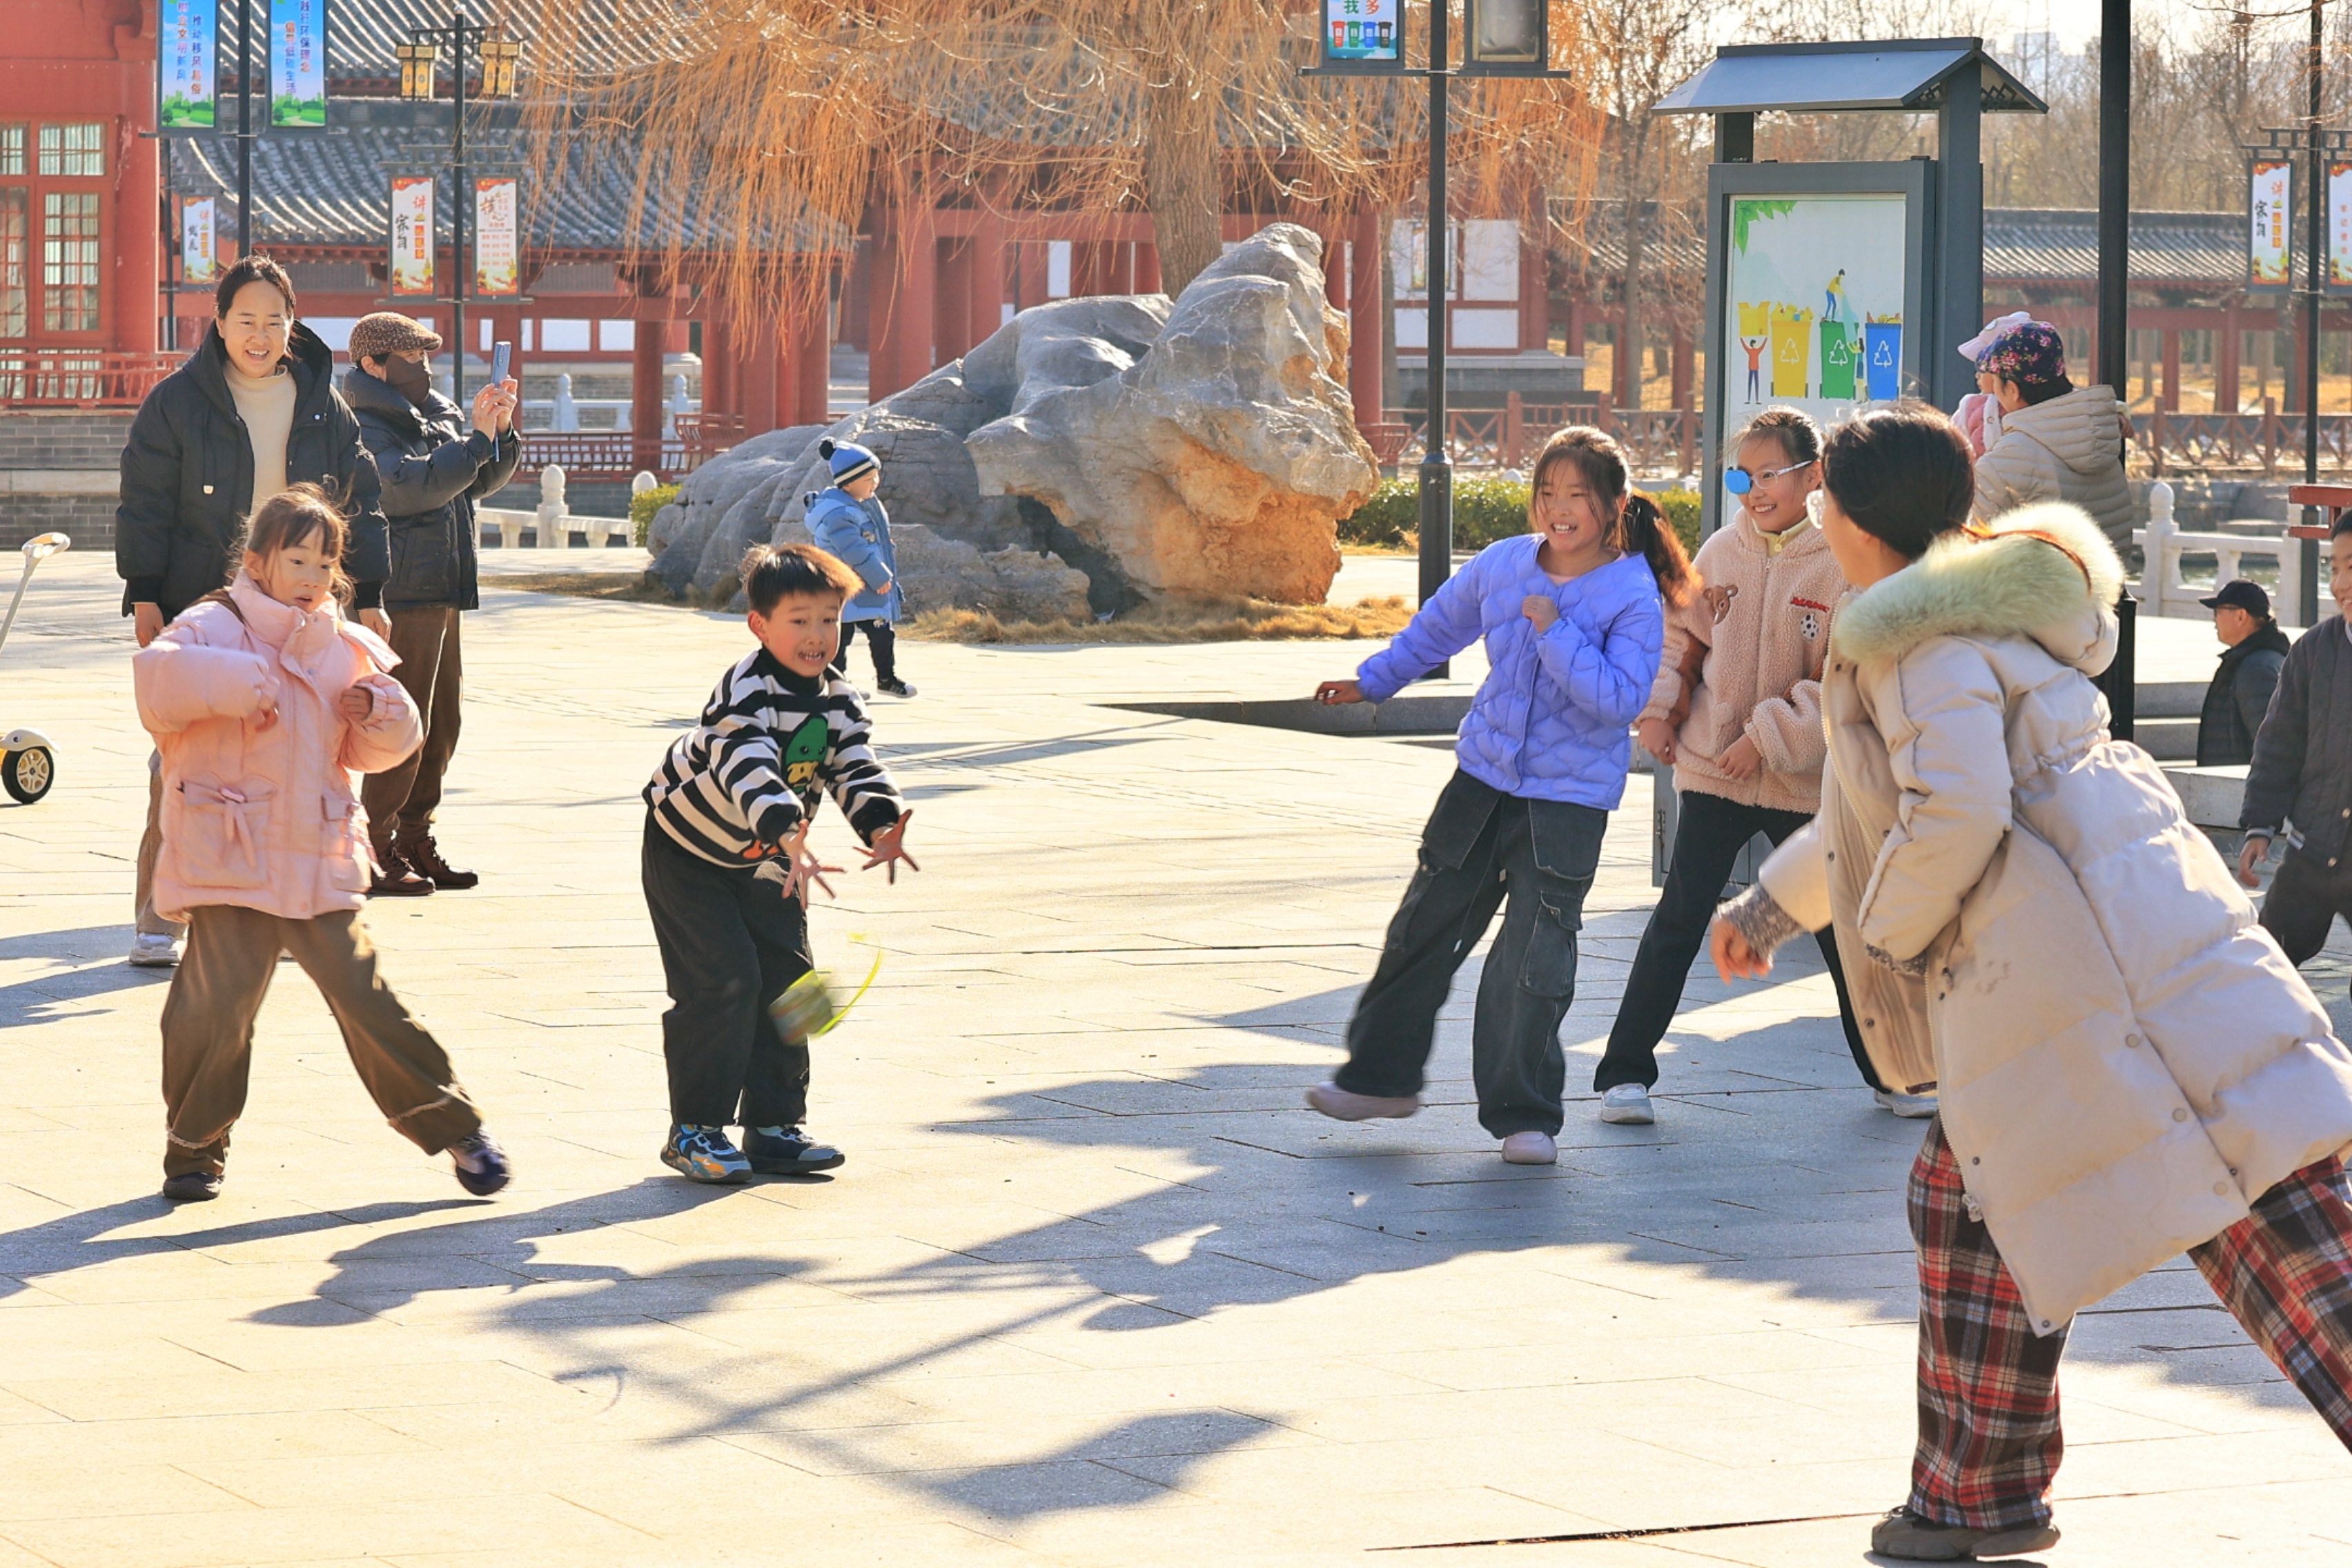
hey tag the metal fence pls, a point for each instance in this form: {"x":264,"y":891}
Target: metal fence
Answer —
{"x":80,"y":378}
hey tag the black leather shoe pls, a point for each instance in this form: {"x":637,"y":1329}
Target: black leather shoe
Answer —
{"x":396,"y":878}
{"x":193,"y":1186}
{"x":425,"y":855}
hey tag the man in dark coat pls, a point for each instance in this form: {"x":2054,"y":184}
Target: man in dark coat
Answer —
{"x":252,"y":411}
{"x":433,"y":468}
{"x":2253,"y":648}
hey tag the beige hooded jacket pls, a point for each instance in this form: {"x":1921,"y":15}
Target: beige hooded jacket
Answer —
{"x":2069,"y":449}
{"x":2125,"y":1058}
{"x":1744,"y":658}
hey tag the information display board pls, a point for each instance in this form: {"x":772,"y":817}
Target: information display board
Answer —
{"x":186,"y":58}
{"x":498,"y":248}
{"x":411,"y":261}
{"x":2270,"y":226}
{"x":298,"y":65}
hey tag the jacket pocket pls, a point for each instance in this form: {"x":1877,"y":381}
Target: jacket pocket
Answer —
{"x":339,"y":844}
{"x":421,"y":557}
{"x":223,"y":834}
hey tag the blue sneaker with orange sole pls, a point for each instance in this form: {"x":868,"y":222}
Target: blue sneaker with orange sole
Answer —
{"x":704,"y":1154}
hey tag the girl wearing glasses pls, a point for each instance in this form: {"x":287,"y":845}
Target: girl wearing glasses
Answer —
{"x":1737,"y":709}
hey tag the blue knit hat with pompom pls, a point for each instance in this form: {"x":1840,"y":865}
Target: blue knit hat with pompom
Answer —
{"x":848,"y":460}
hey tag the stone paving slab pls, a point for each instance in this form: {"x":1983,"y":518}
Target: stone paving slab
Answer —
{"x":1094,"y":1289}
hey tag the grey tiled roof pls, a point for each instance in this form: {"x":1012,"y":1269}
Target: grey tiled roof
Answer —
{"x":333,"y":187}
{"x":2062,"y":245}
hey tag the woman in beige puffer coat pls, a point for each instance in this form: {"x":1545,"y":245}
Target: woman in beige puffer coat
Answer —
{"x":2127,"y":1065}
{"x":2057,"y":441}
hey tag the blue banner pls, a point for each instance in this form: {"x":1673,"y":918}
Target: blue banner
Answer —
{"x":186,"y":63}
{"x":298,"y":65}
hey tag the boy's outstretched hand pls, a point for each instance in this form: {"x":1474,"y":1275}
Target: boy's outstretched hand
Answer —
{"x":803,"y":868}
{"x":890,"y":848}
{"x":1333,"y":691}
{"x":1734,"y":957}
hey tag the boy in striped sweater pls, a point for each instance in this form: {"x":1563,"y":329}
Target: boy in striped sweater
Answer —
{"x":728,"y":869}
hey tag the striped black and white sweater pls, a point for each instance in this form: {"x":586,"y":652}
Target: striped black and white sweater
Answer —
{"x":771,"y":744}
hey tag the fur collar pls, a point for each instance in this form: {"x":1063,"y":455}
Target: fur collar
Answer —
{"x":2001,"y":586}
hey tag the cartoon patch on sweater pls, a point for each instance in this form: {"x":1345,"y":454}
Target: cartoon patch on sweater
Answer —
{"x":1811,"y":624}
{"x":803,"y":752}
{"x":1719,"y":600}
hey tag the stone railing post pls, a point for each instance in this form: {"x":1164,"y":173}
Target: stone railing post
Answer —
{"x":554,"y":514}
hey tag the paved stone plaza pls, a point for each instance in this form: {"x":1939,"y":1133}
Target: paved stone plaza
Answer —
{"x":1094,"y":1286}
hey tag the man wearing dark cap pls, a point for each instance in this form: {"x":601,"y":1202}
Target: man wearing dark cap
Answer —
{"x":2253,"y":650}
{"x":433,"y":469}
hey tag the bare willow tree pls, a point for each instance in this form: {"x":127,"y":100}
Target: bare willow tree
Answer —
{"x":1641,"y":49}
{"x":773,"y":131}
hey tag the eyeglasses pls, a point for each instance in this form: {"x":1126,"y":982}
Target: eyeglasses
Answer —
{"x":1739,"y":482}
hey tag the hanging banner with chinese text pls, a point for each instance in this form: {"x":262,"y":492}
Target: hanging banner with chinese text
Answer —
{"x":199,"y":259}
{"x":2339,"y":227}
{"x":2270,"y":230}
{"x":411,"y":235}
{"x":298,"y":64}
{"x":497,"y":249}
{"x":186,"y":42}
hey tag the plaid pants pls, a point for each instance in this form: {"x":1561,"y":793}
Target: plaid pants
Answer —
{"x":1989,"y":1436}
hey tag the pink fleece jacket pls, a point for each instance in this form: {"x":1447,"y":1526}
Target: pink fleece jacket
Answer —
{"x":264,"y":813}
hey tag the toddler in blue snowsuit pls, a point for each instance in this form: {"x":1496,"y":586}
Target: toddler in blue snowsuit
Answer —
{"x":848,"y":521}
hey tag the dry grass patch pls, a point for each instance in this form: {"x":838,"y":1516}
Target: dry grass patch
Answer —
{"x":1234,"y":620}
{"x":629,"y":587}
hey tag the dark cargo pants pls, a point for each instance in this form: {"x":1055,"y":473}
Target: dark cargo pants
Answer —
{"x":1480,"y":849}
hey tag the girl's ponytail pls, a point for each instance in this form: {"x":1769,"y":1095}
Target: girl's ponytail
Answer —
{"x":1646,"y":528}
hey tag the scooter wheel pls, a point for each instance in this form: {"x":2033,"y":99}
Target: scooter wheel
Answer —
{"x":27,"y":775}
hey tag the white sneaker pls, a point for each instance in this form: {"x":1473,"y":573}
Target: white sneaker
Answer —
{"x":1628,"y":1104}
{"x":1912,"y":1107}
{"x":154,"y":950}
{"x":1343,"y":1105}
{"x":1530,"y":1148}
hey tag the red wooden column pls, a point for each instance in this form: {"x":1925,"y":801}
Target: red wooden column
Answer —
{"x":1147,"y":268}
{"x":1364,"y":306}
{"x":756,"y":381}
{"x":905,"y":276}
{"x":1685,"y":360}
{"x":808,"y":359}
{"x":718,"y":354}
{"x":645,"y":383}
{"x":985,"y":277}
{"x":952,"y":299}
{"x":2225,"y":361}
{"x":2170,"y":397}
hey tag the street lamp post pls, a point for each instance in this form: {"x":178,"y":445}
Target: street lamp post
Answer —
{"x":418,"y":58}
{"x":1501,"y":37}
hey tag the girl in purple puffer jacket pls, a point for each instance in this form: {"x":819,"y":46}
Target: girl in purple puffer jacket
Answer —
{"x":1570,"y":616}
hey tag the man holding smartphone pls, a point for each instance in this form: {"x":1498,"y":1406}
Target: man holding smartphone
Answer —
{"x":433,"y":468}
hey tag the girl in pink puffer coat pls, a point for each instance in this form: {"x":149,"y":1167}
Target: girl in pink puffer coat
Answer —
{"x":265,"y":702}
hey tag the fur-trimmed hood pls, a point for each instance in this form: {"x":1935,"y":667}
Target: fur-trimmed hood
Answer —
{"x":1967,"y":585}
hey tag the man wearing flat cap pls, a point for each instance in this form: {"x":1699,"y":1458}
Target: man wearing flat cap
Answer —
{"x":433,"y":469}
{"x":2253,"y":649}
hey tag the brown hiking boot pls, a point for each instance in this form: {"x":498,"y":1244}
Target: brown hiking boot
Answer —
{"x":426,"y":856}
{"x":1917,"y":1539}
{"x":396,"y":878}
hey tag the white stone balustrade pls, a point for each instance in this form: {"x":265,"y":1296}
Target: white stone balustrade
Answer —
{"x":2162,"y":591}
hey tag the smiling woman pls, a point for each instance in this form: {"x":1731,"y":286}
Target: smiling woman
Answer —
{"x":253,"y":411}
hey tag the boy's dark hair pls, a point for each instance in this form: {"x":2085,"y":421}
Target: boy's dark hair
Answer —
{"x":2341,"y":526}
{"x":1793,"y":429}
{"x":1904,"y":475}
{"x":255,"y":269}
{"x":774,"y":571}
{"x":1641,"y":527}
{"x":293,"y":516}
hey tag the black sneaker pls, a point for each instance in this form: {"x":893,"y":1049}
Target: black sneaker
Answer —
{"x":482,"y":1167}
{"x":193,"y":1186}
{"x":895,"y":686}
{"x":788,"y":1153}
{"x":396,"y":878}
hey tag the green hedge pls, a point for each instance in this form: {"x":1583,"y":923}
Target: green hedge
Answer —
{"x":642,"y":508}
{"x":1485,"y":509}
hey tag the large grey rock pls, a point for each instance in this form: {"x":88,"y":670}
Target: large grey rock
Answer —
{"x":1221,"y":459}
{"x":720,"y":511}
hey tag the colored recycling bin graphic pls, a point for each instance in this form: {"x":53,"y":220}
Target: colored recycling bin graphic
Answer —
{"x":1792,"y":356}
{"x":1882,"y":354}
{"x":1837,"y":361}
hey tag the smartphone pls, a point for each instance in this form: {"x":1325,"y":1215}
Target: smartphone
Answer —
{"x":501,"y":357}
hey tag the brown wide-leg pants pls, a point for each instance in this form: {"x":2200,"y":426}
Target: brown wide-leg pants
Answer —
{"x":208,"y":1031}
{"x":401,"y":801}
